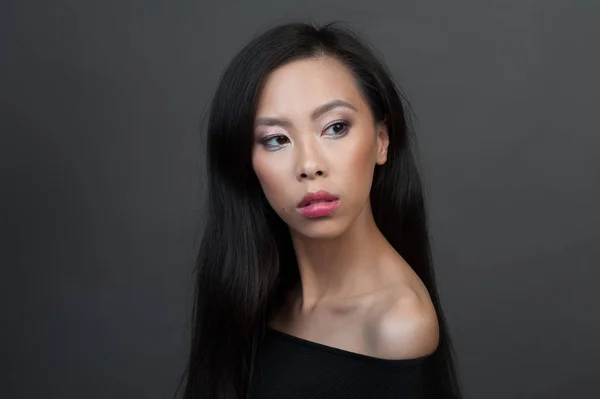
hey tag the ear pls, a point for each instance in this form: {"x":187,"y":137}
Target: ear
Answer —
{"x":383,"y":141}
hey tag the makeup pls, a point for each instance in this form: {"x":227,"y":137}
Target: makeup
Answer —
{"x":317,"y":204}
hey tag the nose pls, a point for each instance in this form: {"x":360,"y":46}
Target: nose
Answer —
{"x":310,"y":162}
{"x":310,"y":174}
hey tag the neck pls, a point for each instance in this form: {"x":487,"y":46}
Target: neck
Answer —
{"x":353,"y":264}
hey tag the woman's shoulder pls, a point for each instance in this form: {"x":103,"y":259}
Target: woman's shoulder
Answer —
{"x":406,"y":324}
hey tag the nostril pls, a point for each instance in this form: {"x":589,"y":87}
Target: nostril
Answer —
{"x":305,"y":175}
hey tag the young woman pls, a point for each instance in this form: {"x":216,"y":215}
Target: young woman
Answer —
{"x":314,"y":275}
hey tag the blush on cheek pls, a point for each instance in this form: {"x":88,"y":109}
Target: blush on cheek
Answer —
{"x":272,"y":182}
{"x":360,"y":158}
{"x":357,"y":166}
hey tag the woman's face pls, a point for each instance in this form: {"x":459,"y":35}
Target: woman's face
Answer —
{"x":314,"y":132}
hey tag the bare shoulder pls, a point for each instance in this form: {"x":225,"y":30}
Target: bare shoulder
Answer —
{"x":407,"y":326}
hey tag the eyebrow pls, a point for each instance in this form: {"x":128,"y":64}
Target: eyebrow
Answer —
{"x":323,"y":109}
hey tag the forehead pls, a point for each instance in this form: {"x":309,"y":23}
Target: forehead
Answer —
{"x":300,"y":86}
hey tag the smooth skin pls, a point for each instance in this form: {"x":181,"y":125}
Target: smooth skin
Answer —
{"x":314,"y":131}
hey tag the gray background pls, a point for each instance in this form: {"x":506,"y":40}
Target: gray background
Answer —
{"x":102,"y":181}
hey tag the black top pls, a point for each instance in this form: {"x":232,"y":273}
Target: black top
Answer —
{"x":290,"y":367}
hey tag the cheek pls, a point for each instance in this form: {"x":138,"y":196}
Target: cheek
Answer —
{"x":272,"y":180}
{"x":357,"y":162}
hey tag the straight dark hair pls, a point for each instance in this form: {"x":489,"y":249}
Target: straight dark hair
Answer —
{"x":246,"y":261}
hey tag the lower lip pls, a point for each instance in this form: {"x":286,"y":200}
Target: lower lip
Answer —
{"x":319,"y":209}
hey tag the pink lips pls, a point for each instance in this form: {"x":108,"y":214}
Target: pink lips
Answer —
{"x":319,"y":204}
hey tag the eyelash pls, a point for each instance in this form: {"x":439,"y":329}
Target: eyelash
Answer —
{"x":270,"y":147}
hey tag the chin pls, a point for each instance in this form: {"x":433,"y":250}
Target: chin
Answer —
{"x":320,"y":229}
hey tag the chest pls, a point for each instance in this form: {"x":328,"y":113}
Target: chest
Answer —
{"x":291,"y":368}
{"x":351,"y":328}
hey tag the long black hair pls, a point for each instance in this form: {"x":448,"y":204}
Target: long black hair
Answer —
{"x":246,"y":261}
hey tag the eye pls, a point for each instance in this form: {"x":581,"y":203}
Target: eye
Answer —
{"x":274,"y":143}
{"x":338,"y":129}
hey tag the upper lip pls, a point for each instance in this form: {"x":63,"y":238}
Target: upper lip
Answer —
{"x":320,"y":195}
